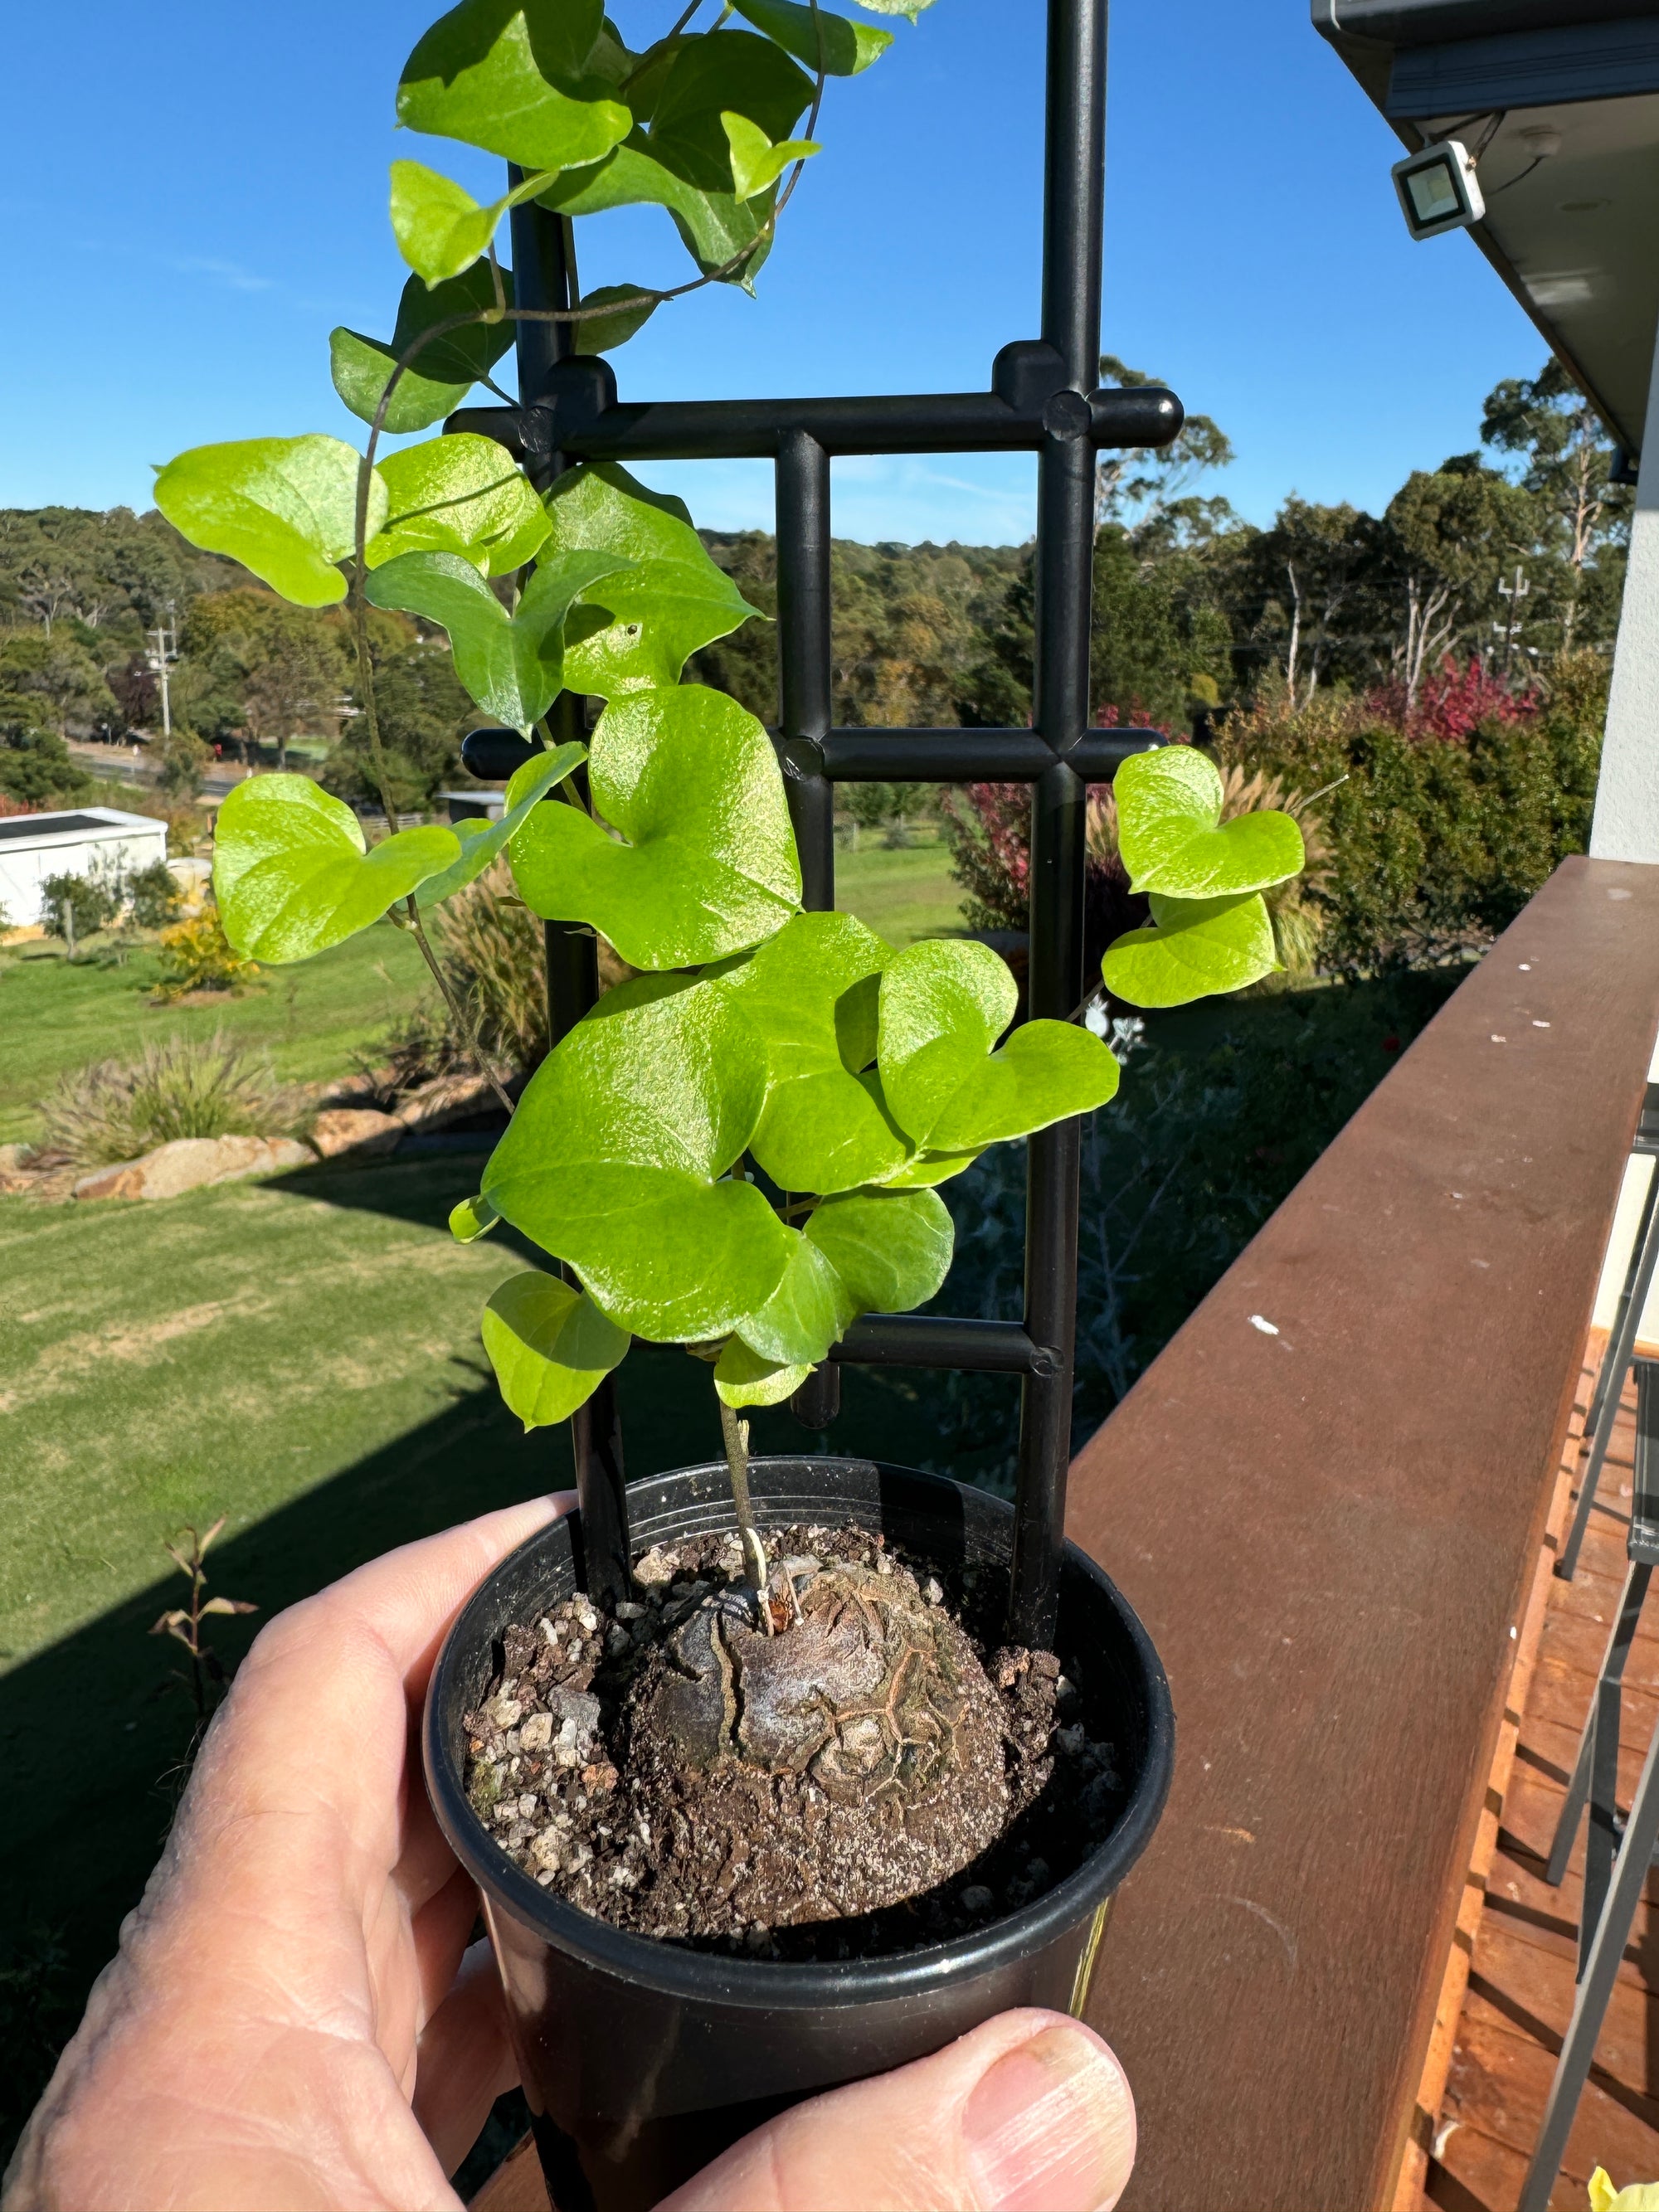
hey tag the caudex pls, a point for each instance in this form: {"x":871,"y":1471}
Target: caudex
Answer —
{"x":737,"y":1151}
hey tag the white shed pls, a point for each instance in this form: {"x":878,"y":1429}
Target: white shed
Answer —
{"x":99,"y":842}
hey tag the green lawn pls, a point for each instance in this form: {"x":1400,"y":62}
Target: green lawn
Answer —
{"x":303,"y":1356}
{"x":901,"y":894}
{"x":55,"y":1015}
{"x":300,"y":1355}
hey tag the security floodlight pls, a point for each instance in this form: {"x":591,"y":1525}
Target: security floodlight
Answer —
{"x":1438,"y":190}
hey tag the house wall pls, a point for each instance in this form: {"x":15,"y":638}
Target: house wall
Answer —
{"x":1626,"y":824}
{"x":124,"y":844}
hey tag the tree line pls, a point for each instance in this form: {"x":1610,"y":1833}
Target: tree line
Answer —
{"x":1501,"y":559}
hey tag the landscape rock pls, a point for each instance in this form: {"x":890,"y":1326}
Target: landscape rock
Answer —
{"x":450,"y":1098}
{"x":359,"y":1130}
{"x":19,"y":1168}
{"x":188,"y":1162}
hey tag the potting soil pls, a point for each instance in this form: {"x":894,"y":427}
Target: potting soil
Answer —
{"x":874,"y":1776}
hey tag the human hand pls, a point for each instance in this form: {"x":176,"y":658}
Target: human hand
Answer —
{"x":294,"y":2018}
{"x":1030,"y":2112}
{"x":290,"y":2021}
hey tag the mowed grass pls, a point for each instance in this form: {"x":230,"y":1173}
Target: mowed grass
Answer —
{"x":301,"y":1355}
{"x":56,"y":1014}
{"x":901,"y":894}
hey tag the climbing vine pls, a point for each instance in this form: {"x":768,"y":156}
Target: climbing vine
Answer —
{"x":738,"y":1149}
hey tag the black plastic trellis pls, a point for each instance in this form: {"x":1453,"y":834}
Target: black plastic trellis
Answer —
{"x":1042,"y":399}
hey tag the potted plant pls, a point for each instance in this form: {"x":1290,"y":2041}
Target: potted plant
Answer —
{"x":771,"y":1805}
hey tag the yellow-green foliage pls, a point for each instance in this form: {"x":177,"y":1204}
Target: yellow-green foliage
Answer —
{"x":197,"y":955}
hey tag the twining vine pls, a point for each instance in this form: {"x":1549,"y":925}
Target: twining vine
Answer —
{"x":739,"y":1152}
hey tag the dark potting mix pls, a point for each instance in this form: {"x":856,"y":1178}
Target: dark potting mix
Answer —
{"x":875,"y":1773}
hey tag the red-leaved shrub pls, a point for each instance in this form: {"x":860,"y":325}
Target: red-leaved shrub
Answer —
{"x":1453,"y":705}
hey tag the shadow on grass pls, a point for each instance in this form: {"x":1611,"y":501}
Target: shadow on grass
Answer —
{"x":92,"y":1737}
{"x":94,"y":1729}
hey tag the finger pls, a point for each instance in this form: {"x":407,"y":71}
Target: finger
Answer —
{"x":443,"y":1930}
{"x":1030,"y":2112}
{"x":464,"y":2061}
{"x":320,"y":1714}
{"x":408,"y":1598}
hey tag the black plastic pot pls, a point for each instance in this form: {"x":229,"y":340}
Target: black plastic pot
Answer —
{"x":642,"y":2060}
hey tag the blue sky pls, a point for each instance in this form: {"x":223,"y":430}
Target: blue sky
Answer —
{"x":198,"y":194}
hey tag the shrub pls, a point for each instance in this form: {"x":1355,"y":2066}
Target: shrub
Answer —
{"x":187,"y":1087}
{"x":416,"y":1048}
{"x":891,"y":807}
{"x":73,"y":907}
{"x":988,"y":827}
{"x":183,"y":761}
{"x":36,"y":768}
{"x":198,"y":956}
{"x":491,"y":946}
{"x":155,"y":895}
{"x":1434,"y":847}
{"x":1453,"y":705}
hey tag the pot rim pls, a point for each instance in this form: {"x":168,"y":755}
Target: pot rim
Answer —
{"x":769,"y":1984}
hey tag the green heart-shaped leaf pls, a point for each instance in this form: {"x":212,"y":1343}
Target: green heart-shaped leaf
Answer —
{"x":928,"y":1168}
{"x":613,"y":1160}
{"x":507,"y":75}
{"x":944,"y":1004}
{"x":472,"y":1218}
{"x":290,"y":873}
{"x":443,"y":372}
{"x":1198,"y":947}
{"x":755,"y":162}
{"x":441,"y":229}
{"x":722,"y":72}
{"x":481,"y":842}
{"x":816,"y":38}
{"x":671,"y":601}
{"x":862,"y":1251}
{"x":890,"y":1249}
{"x":715,"y":227}
{"x":285,"y":508}
{"x":459,"y":495}
{"x":690,"y":780}
{"x":911,"y":8}
{"x":1172,"y":837}
{"x":551,"y":1348}
{"x":742,"y":1377}
{"x":812,"y":993}
{"x":807,"y":1313}
{"x":599,"y":333}
{"x":511,"y":665}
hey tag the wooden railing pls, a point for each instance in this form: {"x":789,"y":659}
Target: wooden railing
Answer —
{"x":1330,"y":1524}
{"x":1325,"y":1498}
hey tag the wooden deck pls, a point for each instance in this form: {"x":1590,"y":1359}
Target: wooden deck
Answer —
{"x":1509,"y":1984}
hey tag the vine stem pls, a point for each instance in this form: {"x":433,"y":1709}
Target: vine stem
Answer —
{"x":736,"y":1435}
{"x":500,"y":312}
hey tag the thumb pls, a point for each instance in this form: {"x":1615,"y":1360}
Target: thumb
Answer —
{"x":1030,"y":2112}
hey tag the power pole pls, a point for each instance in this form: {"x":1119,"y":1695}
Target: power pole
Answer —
{"x":1509,"y":628}
{"x":167,"y":650}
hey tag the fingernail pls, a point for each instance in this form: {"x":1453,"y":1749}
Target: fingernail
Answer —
{"x":1050,"y":2127}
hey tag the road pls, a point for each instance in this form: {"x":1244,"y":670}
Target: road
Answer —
{"x":119,"y":763}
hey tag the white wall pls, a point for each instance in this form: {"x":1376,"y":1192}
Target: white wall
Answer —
{"x":121,"y":845}
{"x":1626,"y":824}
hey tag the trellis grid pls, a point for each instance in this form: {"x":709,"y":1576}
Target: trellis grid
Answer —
{"x":1042,"y":399}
